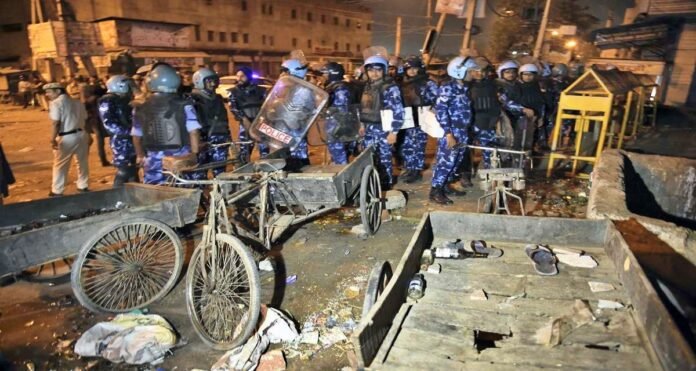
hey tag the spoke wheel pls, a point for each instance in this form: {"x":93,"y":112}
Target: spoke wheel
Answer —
{"x":57,"y":271}
{"x":223,"y":293}
{"x":127,"y":266}
{"x":376,"y":283}
{"x":370,"y":200}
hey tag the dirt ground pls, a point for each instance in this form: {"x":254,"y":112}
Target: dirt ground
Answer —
{"x":40,"y":322}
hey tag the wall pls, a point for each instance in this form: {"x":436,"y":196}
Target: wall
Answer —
{"x":14,"y":44}
{"x":683,"y":68}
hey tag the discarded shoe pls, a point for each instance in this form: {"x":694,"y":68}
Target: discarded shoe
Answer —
{"x":544,"y":260}
{"x":479,"y":246}
{"x":437,"y":195}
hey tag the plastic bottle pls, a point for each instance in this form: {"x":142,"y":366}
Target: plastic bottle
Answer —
{"x":416,"y":287}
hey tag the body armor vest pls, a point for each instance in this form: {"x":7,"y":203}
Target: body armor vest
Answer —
{"x":411,"y":91}
{"x":331,"y":89}
{"x":371,"y":101}
{"x":484,"y":98}
{"x":163,"y":121}
{"x":532,"y":97}
{"x":249,"y":99}
{"x":211,"y":113}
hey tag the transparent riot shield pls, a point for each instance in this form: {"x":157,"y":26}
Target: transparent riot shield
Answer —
{"x":336,"y":125}
{"x":290,"y":108}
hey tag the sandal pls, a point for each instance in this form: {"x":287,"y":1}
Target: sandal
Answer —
{"x":544,"y":260}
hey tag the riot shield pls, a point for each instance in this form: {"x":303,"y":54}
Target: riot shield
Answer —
{"x":290,"y":108}
{"x":336,"y":125}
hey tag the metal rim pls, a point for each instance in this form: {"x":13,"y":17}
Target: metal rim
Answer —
{"x":370,"y":200}
{"x":376,"y":283}
{"x":127,"y":266}
{"x":223,"y":303}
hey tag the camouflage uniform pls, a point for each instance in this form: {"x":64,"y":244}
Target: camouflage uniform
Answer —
{"x":339,"y":98}
{"x":381,"y":95}
{"x":116,"y":117}
{"x":486,"y":110}
{"x":152,"y":163}
{"x":214,"y":130}
{"x":245,"y":102}
{"x":453,"y":111}
{"x":417,"y":92}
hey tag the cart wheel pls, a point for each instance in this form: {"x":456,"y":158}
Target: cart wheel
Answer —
{"x":127,"y":266}
{"x":376,"y":283}
{"x":57,"y":271}
{"x":370,"y":200}
{"x":223,"y":293}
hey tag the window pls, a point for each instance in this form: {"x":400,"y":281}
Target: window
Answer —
{"x":369,"y":26}
{"x":358,"y":48}
{"x":336,"y":21}
{"x":323,"y":42}
{"x":263,"y":39}
{"x":309,"y":43}
{"x":309,"y":16}
{"x":347,"y":47}
{"x":245,"y":38}
{"x":197,"y":32}
{"x":234,"y":37}
{"x":359,"y":25}
{"x":293,"y":14}
{"x":347,"y":22}
{"x":223,"y":37}
{"x":323,"y":18}
{"x":244,"y":5}
{"x":270,"y":40}
{"x":336,"y":45}
{"x":211,"y":36}
{"x":294,"y":42}
{"x":270,"y":10}
{"x":263,"y":8}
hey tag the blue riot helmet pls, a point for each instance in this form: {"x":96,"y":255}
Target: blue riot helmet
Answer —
{"x":375,"y":61}
{"x":163,"y":78}
{"x":507,"y":65}
{"x":294,"y":67}
{"x":414,"y":62}
{"x":203,"y":74}
{"x":334,"y":71}
{"x":459,"y":66}
{"x":118,"y":84}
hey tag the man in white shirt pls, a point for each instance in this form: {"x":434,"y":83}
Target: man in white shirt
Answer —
{"x":24,"y":88}
{"x":68,"y":139}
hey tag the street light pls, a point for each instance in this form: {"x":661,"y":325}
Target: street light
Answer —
{"x":554,"y":33}
{"x":570,"y":44}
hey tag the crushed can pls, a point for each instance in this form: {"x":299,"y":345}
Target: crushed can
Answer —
{"x":416,"y":287}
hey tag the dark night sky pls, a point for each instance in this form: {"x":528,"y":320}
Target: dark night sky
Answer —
{"x":414,"y":23}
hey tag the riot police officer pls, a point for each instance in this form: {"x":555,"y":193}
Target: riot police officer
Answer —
{"x":116,"y":116}
{"x":486,"y":107}
{"x":510,"y":95}
{"x":212,"y":116}
{"x":417,"y":91}
{"x":532,"y":98}
{"x":246,"y":99}
{"x":380,"y":93}
{"x":165,"y":124}
{"x":294,"y":67}
{"x":559,"y":82}
{"x":453,"y":111}
{"x":340,"y":100}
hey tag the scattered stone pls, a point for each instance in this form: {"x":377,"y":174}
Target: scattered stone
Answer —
{"x":478,"y":295}
{"x":395,"y":200}
{"x":26,"y":149}
{"x":434,"y":269}
{"x":30,"y":366}
{"x":360,"y":231}
{"x":609,"y":304}
{"x":352,"y":292}
{"x":29,"y":324}
{"x":290,"y":280}
{"x":310,"y":337}
{"x":266,"y":265}
{"x":332,"y":337}
{"x":600,"y":286}
{"x":272,"y":361}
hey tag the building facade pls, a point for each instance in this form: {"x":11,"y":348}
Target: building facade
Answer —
{"x":220,"y":33}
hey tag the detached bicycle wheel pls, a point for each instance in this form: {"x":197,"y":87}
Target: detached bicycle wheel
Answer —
{"x":127,"y":266}
{"x":370,"y":200}
{"x":223,"y":293}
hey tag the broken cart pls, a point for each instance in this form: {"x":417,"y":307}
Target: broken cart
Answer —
{"x":498,"y":313}
{"x":126,"y":253}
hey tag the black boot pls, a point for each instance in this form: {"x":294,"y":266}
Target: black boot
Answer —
{"x":437,"y":195}
{"x":413,"y":176}
{"x":455,"y":189}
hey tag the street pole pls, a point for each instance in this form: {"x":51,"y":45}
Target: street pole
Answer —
{"x":470,"y":8}
{"x":542,"y":30}
{"x":429,"y":12}
{"x":438,"y":30}
{"x":397,"y":47}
